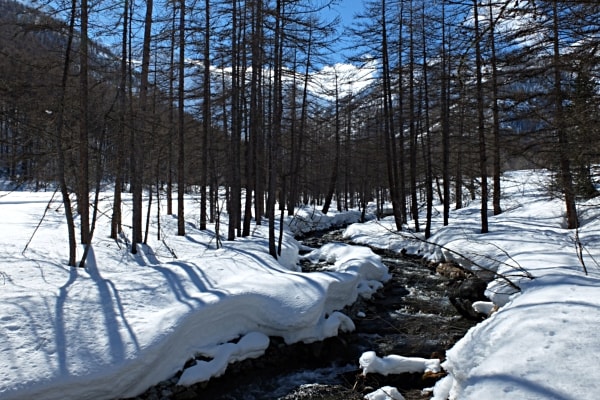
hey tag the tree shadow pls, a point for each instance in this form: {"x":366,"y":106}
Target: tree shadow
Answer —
{"x":517,"y":383}
{"x":112,"y":308}
{"x":61,"y":339}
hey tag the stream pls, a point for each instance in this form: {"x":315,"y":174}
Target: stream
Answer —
{"x":410,"y":316}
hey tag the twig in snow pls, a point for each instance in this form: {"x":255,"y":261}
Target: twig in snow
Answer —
{"x":40,"y":222}
{"x":579,"y":250}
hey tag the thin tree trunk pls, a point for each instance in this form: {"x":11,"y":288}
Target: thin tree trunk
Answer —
{"x":206,"y":121}
{"x":336,"y":160}
{"x":60,"y":139}
{"x":116,"y":220}
{"x":445,"y":116}
{"x":412,"y":130}
{"x":495,"y":118}
{"x":181,"y":125}
{"x":83,"y":197}
{"x":255,"y":114}
{"x":389,"y":134}
{"x":234,"y":208}
{"x":137,"y":159}
{"x":566,"y":176}
{"x":427,"y":138}
{"x":276,"y":123}
{"x":171,"y":115}
{"x":481,"y":121}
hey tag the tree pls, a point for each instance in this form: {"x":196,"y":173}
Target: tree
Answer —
{"x":396,"y":184}
{"x":566,"y":176}
{"x":61,"y":142}
{"x":83,"y":193}
{"x":412,"y":122}
{"x":181,"y":123}
{"x":336,"y":160}
{"x":481,"y":120}
{"x":234,"y":184}
{"x":206,"y":117}
{"x":495,"y":110}
{"x":117,"y":216}
{"x":137,"y":158}
{"x":445,"y":121}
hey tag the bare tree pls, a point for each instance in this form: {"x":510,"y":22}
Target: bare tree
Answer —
{"x":83,"y":192}
{"x":481,"y":120}
{"x":181,"y":123}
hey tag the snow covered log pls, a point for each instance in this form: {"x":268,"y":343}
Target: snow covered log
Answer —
{"x":394,"y":364}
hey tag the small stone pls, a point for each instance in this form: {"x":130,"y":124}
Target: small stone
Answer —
{"x":188,"y":394}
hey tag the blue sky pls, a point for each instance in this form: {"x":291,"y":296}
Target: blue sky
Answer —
{"x":348,"y":8}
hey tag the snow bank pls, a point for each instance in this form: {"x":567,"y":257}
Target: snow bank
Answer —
{"x":542,"y":342}
{"x":310,"y":219}
{"x":251,"y":345}
{"x":126,"y":322}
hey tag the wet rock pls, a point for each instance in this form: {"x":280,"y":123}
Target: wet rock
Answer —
{"x":451,"y":270}
{"x":467,"y":292}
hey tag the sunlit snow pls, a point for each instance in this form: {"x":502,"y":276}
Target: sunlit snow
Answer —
{"x":126,"y":322}
{"x":542,"y":342}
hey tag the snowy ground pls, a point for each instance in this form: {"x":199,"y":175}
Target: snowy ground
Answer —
{"x":543,"y":341}
{"x":127,"y":322}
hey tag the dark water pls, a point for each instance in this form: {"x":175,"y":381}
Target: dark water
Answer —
{"x":411,"y":316}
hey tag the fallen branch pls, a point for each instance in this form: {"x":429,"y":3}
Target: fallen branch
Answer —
{"x":504,"y":277}
{"x":579,"y":250}
{"x":40,"y":221}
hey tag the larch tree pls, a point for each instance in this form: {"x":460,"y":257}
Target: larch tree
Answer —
{"x":481,"y":119}
{"x":83,"y":192}
{"x":181,"y":121}
{"x":138,"y":133}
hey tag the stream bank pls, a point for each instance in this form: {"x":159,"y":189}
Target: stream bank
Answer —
{"x":412,"y":315}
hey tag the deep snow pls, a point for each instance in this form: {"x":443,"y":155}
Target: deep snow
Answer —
{"x":542,"y":343}
{"x":126,"y":322}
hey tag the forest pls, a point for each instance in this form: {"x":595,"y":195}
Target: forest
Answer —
{"x":252,"y":98}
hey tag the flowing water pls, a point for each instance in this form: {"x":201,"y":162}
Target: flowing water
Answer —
{"x":411,"y":316}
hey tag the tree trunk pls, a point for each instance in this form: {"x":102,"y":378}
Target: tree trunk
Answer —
{"x":336,"y":160}
{"x":481,"y":121}
{"x":389,"y":135}
{"x":426,"y":138}
{"x":566,"y":175}
{"x":445,"y":120}
{"x":412,"y":127}
{"x":275,"y":132}
{"x":495,"y":118}
{"x":83,"y":197}
{"x":116,"y":220}
{"x":206,"y":121}
{"x":137,"y":142}
{"x":234,"y":208}
{"x":61,"y":143}
{"x":181,"y":125}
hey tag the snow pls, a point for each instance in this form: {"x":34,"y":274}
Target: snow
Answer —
{"x":385,"y":393}
{"x":395,"y":364}
{"x":129,"y":321}
{"x":251,"y":345}
{"x":542,"y":342}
